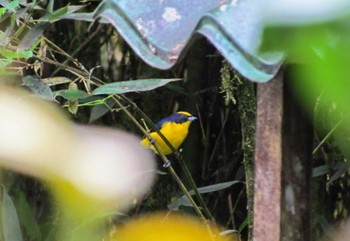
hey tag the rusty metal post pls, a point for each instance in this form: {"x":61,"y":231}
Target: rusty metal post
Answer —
{"x":268,"y":158}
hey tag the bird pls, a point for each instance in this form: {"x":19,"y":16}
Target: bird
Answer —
{"x":174,"y":128}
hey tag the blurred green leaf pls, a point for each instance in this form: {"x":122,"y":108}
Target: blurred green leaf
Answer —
{"x":14,"y":55}
{"x":320,"y":170}
{"x":341,"y":168}
{"x":131,"y":86}
{"x":321,"y":52}
{"x":4,"y":39}
{"x":38,"y":87}
{"x":9,"y":31}
{"x":2,"y":11}
{"x":32,"y":36}
{"x":58,"y":13}
{"x":243,"y":225}
{"x":10,"y":5}
{"x":4,"y":62}
{"x":21,"y":12}
{"x":62,"y":13}
{"x":10,"y":222}
{"x":27,"y":218}
{"x":50,"y":6}
{"x":8,"y":73}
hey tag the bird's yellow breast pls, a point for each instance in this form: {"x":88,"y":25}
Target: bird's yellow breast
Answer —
{"x":175,"y":133}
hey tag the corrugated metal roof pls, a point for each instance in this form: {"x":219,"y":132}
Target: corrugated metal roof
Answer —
{"x":160,"y":31}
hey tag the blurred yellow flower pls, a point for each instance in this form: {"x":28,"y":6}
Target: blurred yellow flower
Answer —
{"x":88,"y":168}
{"x":169,"y":227}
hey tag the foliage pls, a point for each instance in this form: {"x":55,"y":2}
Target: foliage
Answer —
{"x":320,"y":50}
{"x":87,"y":69}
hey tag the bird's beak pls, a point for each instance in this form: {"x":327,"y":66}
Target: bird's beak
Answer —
{"x":192,"y":118}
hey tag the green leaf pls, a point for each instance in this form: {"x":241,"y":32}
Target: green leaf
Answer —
{"x":58,"y":13}
{"x":215,"y":187}
{"x":131,"y":86}
{"x":67,"y":12}
{"x":72,"y":94}
{"x":243,"y":225}
{"x":32,"y":36}
{"x":12,"y":5}
{"x":4,"y":39}
{"x":73,"y":8}
{"x":341,"y":168}
{"x":4,"y":62}
{"x":21,"y":13}
{"x":183,"y":200}
{"x":321,"y":170}
{"x":38,"y":87}
{"x":10,"y":222}
{"x":9,"y":32}
{"x":88,"y":17}
{"x":27,"y":218}
{"x":100,"y":110}
{"x":2,"y":11}
{"x":50,"y":6}
{"x":14,"y":55}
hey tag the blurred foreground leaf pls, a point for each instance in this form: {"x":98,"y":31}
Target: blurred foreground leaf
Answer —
{"x":27,"y":218}
{"x":10,"y":222}
{"x":320,"y":55}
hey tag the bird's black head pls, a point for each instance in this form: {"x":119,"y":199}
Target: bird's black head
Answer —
{"x":179,"y":117}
